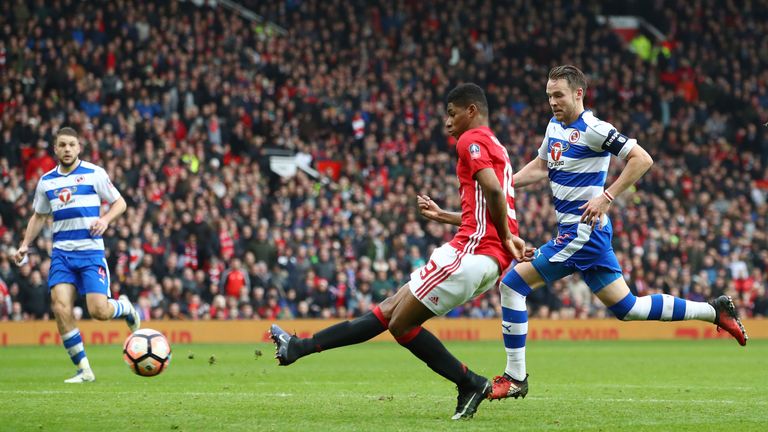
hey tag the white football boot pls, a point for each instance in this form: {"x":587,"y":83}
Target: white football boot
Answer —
{"x":82,"y":376}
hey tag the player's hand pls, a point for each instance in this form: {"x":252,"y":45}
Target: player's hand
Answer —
{"x":428,"y":208}
{"x":529,"y":254}
{"x":516,"y":246}
{"x":98,"y":227}
{"x":594,"y":210}
{"x":21,"y":254}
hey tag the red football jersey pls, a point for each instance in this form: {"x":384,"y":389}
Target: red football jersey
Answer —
{"x":478,"y":148}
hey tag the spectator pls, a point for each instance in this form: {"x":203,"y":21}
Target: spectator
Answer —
{"x":760,"y":302}
{"x":235,"y":279}
{"x":321,"y":299}
{"x":35,"y":297}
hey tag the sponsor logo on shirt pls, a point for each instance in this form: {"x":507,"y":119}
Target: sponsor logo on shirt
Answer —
{"x":65,"y":194}
{"x":556,"y":150}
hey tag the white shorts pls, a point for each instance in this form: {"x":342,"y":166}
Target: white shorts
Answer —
{"x":451,"y":278}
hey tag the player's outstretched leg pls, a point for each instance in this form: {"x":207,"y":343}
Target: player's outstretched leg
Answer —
{"x":664,"y":307}
{"x":289,"y":348}
{"x":727,"y":318}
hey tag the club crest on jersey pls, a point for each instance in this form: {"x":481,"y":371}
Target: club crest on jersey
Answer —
{"x":557,"y":148}
{"x":80,"y":179}
{"x":474,"y":151}
{"x":574,"y":137}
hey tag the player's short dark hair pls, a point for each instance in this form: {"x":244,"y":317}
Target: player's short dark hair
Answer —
{"x":573,"y":75}
{"x":467,"y":94}
{"x":65,"y":131}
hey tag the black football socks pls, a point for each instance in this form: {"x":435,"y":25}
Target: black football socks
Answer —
{"x":431,"y":351}
{"x":342,"y":334}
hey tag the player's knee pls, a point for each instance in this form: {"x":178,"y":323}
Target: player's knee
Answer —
{"x":60,"y":308}
{"x":513,"y":282}
{"x":399,"y":327}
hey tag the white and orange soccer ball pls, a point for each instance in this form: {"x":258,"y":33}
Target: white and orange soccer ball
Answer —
{"x":147,"y":352}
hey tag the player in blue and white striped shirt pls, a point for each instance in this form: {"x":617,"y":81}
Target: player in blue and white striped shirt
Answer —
{"x":574,"y":156}
{"x":72,"y":193}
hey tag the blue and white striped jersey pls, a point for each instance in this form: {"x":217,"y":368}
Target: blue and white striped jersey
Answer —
{"x":578,"y":156}
{"x":74,"y":199}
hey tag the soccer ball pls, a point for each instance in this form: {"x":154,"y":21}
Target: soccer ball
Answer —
{"x":147,"y":352}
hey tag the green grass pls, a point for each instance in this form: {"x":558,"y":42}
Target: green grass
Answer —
{"x":596,"y":386}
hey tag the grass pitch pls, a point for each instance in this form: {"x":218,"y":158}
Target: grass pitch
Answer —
{"x":580,"y":386}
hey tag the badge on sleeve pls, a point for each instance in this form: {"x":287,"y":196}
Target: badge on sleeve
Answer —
{"x":474,"y":151}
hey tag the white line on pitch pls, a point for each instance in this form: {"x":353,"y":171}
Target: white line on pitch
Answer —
{"x":54,"y":392}
{"x":641,"y":400}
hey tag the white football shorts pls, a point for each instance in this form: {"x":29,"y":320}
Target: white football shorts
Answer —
{"x":452,"y":277}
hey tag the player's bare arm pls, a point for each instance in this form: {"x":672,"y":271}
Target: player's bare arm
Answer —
{"x":430,"y":210}
{"x":638,"y":162}
{"x":101,"y":224}
{"x":35,"y":225}
{"x":497,"y":207}
{"x":533,"y":172}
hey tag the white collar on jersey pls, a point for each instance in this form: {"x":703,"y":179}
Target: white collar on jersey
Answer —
{"x":58,"y":168}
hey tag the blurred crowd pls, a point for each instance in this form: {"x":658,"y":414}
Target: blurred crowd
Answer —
{"x":184,"y":105}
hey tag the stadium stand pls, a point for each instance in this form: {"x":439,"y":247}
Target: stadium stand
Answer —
{"x":185,"y":105}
